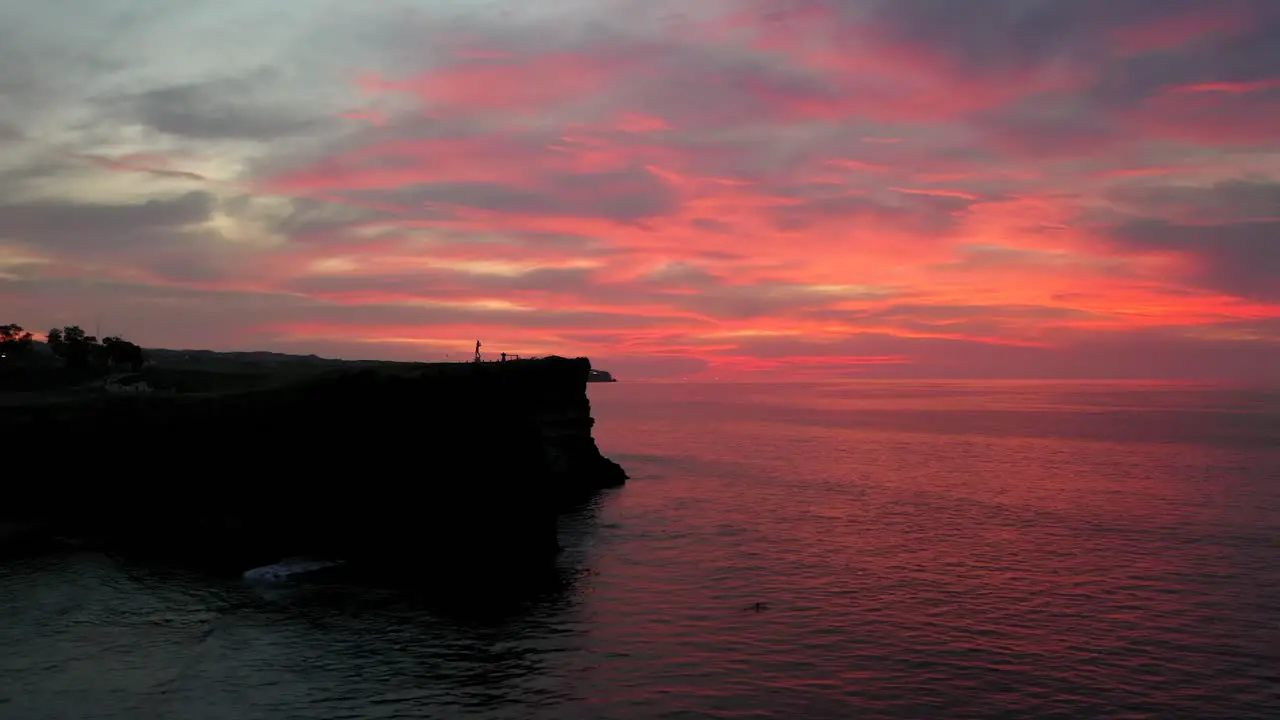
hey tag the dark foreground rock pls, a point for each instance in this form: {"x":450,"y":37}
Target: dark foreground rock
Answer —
{"x":443,"y":465}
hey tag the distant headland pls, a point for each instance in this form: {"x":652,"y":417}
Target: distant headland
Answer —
{"x":239,"y":459}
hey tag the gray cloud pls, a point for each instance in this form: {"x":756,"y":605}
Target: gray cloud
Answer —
{"x":155,"y":315}
{"x":255,"y":93}
{"x":691,"y":288}
{"x":1015,"y":35}
{"x":681,"y":286}
{"x":1042,"y":129}
{"x":310,"y":221}
{"x":1011,"y":42}
{"x":74,"y":226}
{"x":669,"y":286}
{"x":1143,"y":354}
{"x":1224,"y":201}
{"x":1240,"y":259}
{"x":682,"y":275}
{"x":623,"y":196}
{"x":375,"y":315}
{"x":187,"y":264}
{"x":945,"y":314}
{"x":216,"y":110}
{"x":981,"y":322}
{"x":910,"y":211}
{"x":1230,"y":229}
{"x":445,"y":284}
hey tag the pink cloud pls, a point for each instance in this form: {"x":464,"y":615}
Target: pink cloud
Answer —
{"x":501,"y":83}
{"x":802,"y":190}
{"x":1207,"y":118}
{"x":638,"y":123}
{"x":936,"y":192}
{"x":373,"y":116}
{"x":1232,"y":88}
{"x":1180,"y":29}
{"x":143,"y":163}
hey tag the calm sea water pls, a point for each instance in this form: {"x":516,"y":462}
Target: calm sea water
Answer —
{"x":997,"y":550}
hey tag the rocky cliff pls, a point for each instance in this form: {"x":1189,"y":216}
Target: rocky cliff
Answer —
{"x":430,"y":464}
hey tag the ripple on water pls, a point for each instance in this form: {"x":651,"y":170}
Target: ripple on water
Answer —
{"x":951,"y":551}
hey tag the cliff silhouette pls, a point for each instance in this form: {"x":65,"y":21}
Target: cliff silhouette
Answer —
{"x":429,"y":464}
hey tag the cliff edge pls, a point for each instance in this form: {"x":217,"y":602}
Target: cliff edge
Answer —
{"x":425,"y":463}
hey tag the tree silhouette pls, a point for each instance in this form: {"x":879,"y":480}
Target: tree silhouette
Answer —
{"x":118,"y":352}
{"x":15,"y":343}
{"x":75,"y":348}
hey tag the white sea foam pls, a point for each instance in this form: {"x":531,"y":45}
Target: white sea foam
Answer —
{"x":287,"y":569}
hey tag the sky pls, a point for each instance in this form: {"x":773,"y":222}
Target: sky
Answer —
{"x":730,"y":189}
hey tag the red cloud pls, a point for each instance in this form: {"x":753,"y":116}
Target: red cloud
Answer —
{"x":499,"y":83}
{"x":373,"y":117}
{"x":1181,"y":29}
{"x":1233,"y":88}
{"x":745,"y":204}
{"x":142,"y":163}
{"x":1207,"y":118}
{"x":638,"y":123}
{"x":759,"y":233}
{"x":936,"y":192}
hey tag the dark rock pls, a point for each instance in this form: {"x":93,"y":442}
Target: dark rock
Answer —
{"x":433,"y":464}
{"x":21,"y":538}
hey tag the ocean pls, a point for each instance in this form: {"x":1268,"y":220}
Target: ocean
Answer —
{"x":847,"y":549}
